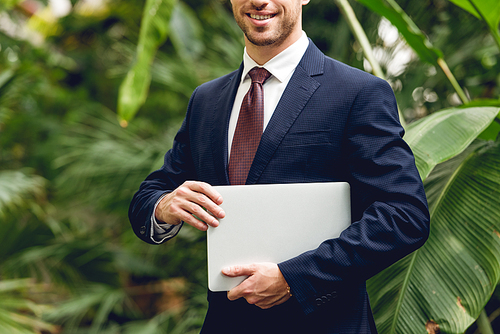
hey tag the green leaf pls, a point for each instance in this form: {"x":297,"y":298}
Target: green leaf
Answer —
{"x":154,"y":29}
{"x":97,"y":151}
{"x":186,"y":32}
{"x":482,"y":103}
{"x":19,"y":188}
{"x":6,"y":76}
{"x":99,"y":298}
{"x":488,"y":10}
{"x":492,"y":131}
{"x":449,"y":280}
{"x":442,"y":135}
{"x":19,"y":314}
{"x":412,"y":34}
{"x":8,"y":4}
{"x":414,"y":37}
{"x":13,"y":285}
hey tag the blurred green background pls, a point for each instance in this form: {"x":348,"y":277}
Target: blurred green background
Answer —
{"x":69,"y":164}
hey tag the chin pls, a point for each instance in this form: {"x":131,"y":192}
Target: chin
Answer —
{"x":263,"y":42}
{"x":257,"y":40}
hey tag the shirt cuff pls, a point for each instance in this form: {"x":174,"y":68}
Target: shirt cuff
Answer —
{"x":161,"y":232}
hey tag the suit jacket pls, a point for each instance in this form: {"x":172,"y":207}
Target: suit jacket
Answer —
{"x":333,"y":123}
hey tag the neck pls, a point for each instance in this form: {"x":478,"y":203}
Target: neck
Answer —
{"x":262,"y":54}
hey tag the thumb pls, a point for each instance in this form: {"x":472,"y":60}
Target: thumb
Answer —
{"x":235,"y":271}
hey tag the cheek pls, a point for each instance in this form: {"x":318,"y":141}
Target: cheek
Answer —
{"x":236,"y":5}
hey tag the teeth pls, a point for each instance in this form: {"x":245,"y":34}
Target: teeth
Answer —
{"x":260,"y":17}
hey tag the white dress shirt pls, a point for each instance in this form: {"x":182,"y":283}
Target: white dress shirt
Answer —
{"x":281,"y":68}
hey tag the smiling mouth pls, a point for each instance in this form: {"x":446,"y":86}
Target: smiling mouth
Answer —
{"x":261,"y":17}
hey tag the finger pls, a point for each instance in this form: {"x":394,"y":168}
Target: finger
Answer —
{"x":183,"y":203}
{"x":236,"y":271}
{"x":189,"y":219}
{"x":245,"y":288}
{"x":177,"y":209}
{"x":203,"y":195}
{"x":206,"y":196}
{"x":207,"y":190}
{"x":199,"y":213}
{"x":241,"y":290}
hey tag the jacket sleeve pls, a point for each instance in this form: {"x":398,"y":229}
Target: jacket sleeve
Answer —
{"x":390,"y":218}
{"x":177,"y":168}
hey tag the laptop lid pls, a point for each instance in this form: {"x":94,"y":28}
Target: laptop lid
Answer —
{"x":273,"y":223}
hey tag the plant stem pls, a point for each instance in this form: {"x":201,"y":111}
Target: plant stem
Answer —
{"x":452,"y":80}
{"x":360,"y":36}
{"x":483,"y":324}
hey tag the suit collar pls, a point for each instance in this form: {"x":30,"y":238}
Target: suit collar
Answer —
{"x":220,"y":123}
{"x":299,"y":90}
{"x":282,"y":65}
{"x":313,"y":61}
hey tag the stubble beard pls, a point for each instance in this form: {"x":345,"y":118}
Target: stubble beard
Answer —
{"x":283,"y":31}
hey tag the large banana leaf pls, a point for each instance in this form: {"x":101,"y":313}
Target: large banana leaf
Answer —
{"x":487,"y":10}
{"x":154,"y":30}
{"x":413,"y":35}
{"x":442,"y":135}
{"x":446,"y":283}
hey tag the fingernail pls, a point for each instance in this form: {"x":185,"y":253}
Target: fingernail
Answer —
{"x":226,"y":270}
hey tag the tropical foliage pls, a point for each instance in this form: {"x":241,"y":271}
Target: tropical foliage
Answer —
{"x":92,"y":92}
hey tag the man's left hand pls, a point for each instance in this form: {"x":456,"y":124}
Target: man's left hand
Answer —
{"x":265,"y":286}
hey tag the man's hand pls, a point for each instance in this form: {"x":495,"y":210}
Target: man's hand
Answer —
{"x":265,"y":286}
{"x":191,"y":198}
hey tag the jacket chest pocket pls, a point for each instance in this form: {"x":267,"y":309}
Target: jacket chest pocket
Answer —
{"x":311,"y":155}
{"x":306,"y":138}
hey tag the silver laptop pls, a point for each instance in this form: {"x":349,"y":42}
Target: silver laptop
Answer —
{"x":273,"y":223}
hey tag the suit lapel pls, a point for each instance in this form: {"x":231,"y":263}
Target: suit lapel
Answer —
{"x":220,"y":123}
{"x":299,"y":90}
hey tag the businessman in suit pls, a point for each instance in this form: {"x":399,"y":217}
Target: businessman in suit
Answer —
{"x":323,"y":121}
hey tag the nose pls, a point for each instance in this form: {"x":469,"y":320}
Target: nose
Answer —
{"x":259,"y":4}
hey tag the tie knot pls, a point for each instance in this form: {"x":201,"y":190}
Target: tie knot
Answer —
{"x":259,"y":74}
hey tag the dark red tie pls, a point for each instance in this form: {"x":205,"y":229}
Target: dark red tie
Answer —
{"x":249,"y":128}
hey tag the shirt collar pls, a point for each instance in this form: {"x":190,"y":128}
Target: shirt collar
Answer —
{"x":282,"y":64}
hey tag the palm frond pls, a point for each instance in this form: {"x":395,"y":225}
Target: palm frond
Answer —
{"x":18,"y":314}
{"x":103,"y":163}
{"x":20,"y":189}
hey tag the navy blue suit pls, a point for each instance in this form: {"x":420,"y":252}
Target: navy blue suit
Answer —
{"x":333,"y":123}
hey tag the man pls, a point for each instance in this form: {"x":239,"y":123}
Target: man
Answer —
{"x":323,"y":121}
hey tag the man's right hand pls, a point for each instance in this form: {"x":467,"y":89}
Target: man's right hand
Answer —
{"x":191,"y":198}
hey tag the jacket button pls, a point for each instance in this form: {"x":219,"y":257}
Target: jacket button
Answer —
{"x":329,"y":296}
{"x":143,"y":229}
{"x":324,"y":299}
{"x":319,"y":302}
{"x":333,"y":294}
